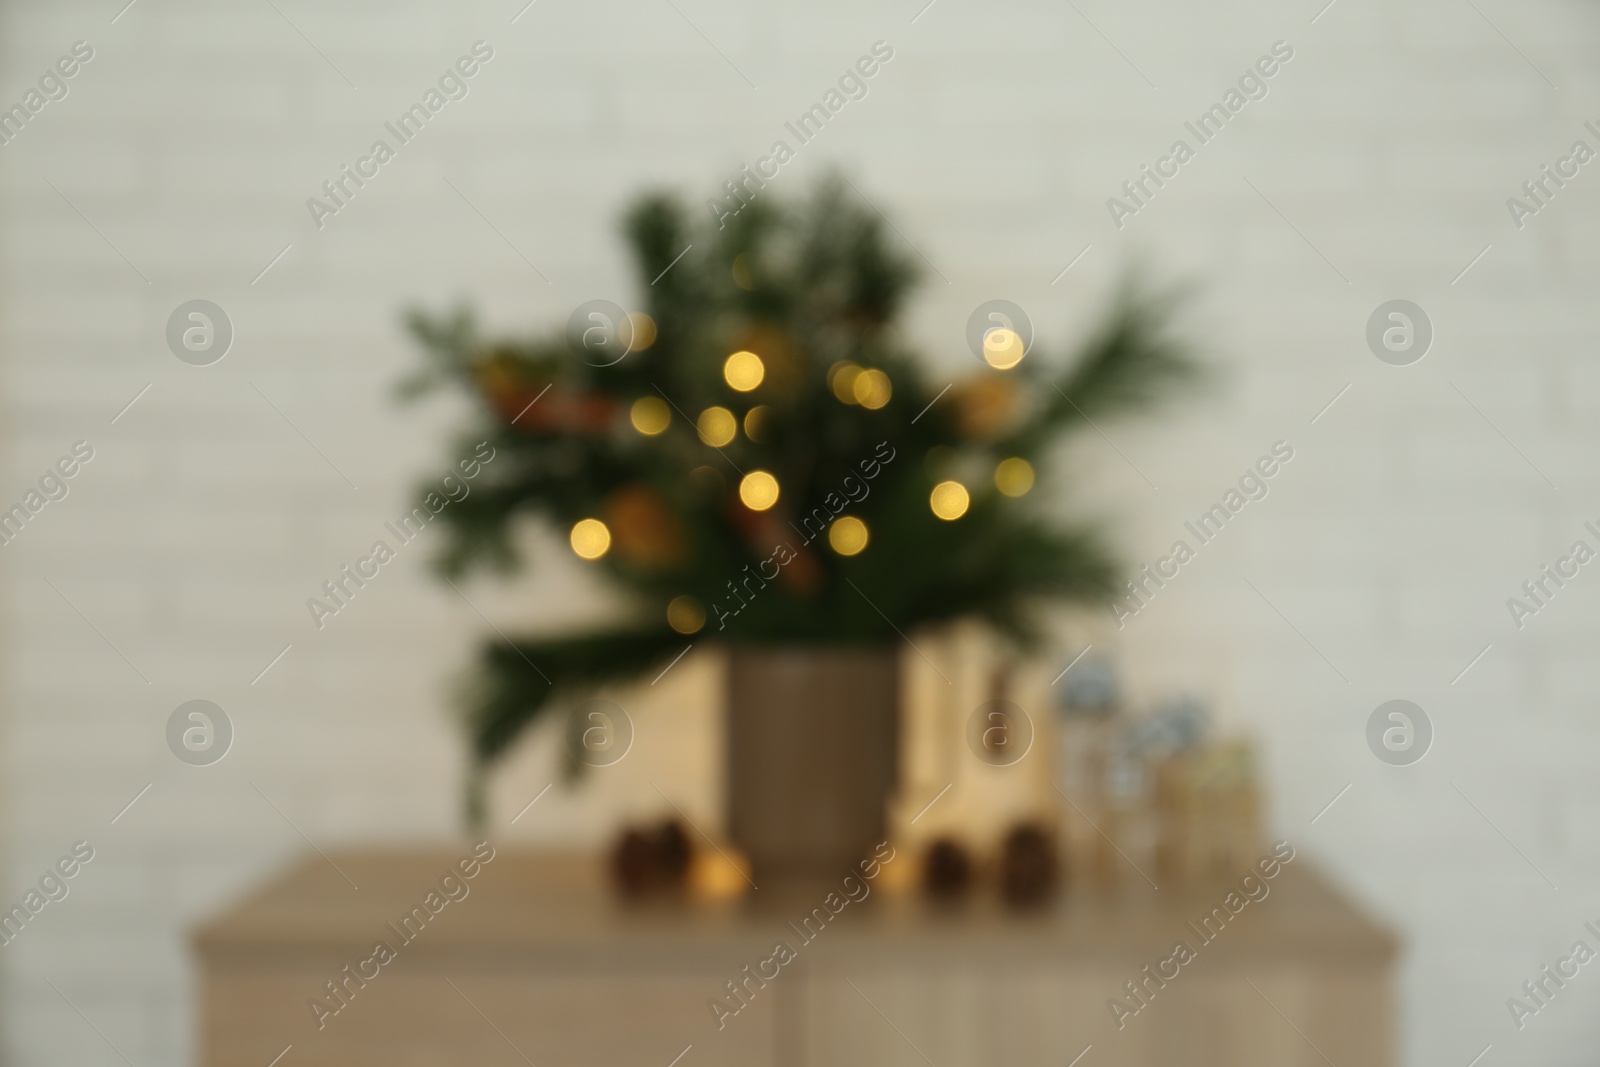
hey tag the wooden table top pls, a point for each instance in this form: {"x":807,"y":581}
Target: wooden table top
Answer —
{"x":557,"y":909}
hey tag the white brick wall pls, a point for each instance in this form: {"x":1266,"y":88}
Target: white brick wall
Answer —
{"x":994,"y":136}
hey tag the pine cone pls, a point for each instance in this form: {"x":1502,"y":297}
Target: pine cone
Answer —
{"x":1029,"y":870}
{"x":947,"y":870}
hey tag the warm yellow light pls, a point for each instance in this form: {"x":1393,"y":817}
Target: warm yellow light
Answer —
{"x":848,"y":536}
{"x":871,"y":389}
{"x":758,"y":490}
{"x":744,"y":371}
{"x":741,"y":273}
{"x":1013,"y":476}
{"x":650,"y":415}
{"x":1002,"y":348}
{"x":722,"y":873}
{"x":686,"y":614}
{"x":644,"y":331}
{"x":949,"y":500}
{"x":590,"y":538}
{"x":717,"y":426}
{"x":756,"y":421}
{"x":842,"y":380}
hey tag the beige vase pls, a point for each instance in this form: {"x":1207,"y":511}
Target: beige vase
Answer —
{"x":812,"y":752}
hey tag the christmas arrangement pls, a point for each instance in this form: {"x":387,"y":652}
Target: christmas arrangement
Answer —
{"x":757,"y":455}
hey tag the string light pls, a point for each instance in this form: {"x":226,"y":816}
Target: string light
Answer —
{"x":717,"y":426}
{"x":1003,"y":348}
{"x":758,"y":490}
{"x":756,"y":421}
{"x":743,"y":371}
{"x":842,"y":380}
{"x":871,"y":389}
{"x":686,"y":614}
{"x":949,"y":500}
{"x":644,"y":331}
{"x":1013,"y":476}
{"x":650,"y":415}
{"x":848,"y":536}
{"x":590,"y":538}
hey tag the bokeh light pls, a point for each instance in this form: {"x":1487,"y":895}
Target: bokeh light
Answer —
{"x":848,"y":536}
{"x":842,"y":380}
{"x":1013,"y":476}
{"x":758,"y":490}
{"x":590,"y":538}
{"x":1003,"y":348}
{"x":686,"y":614}
{"x":756,"y":423}
{"x":644,"y":331}
{"x":949,"y":500}
{"x":743,"y":371}
{"x":650,"y":415}
{"x":717,"y":426}
{"x":871,"y":389}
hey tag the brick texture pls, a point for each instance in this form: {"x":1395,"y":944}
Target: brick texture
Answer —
{"x":1378,"y":166}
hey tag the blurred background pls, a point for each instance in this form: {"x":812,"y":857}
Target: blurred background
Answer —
{"x":1378,"y":166}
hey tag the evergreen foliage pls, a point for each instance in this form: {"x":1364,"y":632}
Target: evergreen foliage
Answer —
{"x":814,"y":289}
